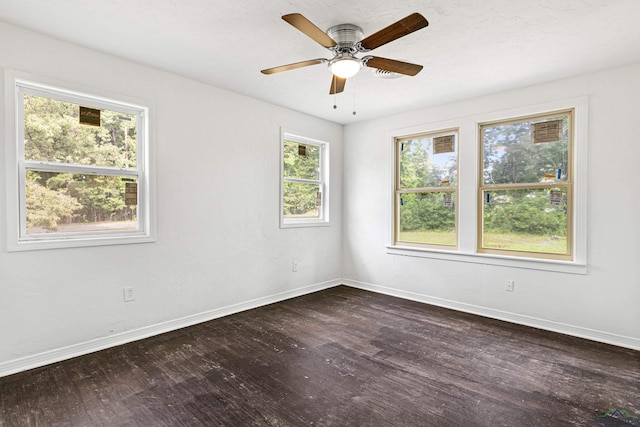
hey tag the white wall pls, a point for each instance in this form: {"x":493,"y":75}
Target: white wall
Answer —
{"x":604,"y":304}
{"x":219,"y":248}
{"x":219,"y":243}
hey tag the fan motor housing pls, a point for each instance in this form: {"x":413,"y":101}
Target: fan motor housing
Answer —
{"x":345,"y":35}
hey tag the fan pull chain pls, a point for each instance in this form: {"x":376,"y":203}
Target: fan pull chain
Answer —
{"x":334,"y":92}
{"x":353,"y":84}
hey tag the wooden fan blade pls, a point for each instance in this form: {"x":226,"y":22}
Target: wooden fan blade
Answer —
{"x":392,"y":65}
{"x":405,"y":26}
{"x":337,"y":85}
{"x":310,"y":29}
{"x":293,"y":66}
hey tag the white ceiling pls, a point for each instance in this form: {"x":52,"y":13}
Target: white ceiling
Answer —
{"x":470,"y":48}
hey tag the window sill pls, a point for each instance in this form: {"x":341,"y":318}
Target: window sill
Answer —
{"x":61,"y":243}
{"x":489,"y":259}
{"x":302,"y":224}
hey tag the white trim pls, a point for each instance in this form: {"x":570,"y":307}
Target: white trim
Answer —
{"x":12,"y":174}
{"x":323,"y":181}
{"x":301,"y":223}
{"x":490,"y":259}
{"x":79,"y":169}
{"x":580,"y":206}
{"x":519,"y":319}
{"x":59,"y":92}
{"x":15,"y":82}
{"x":74,"y":350}
{"x":468,"y":151}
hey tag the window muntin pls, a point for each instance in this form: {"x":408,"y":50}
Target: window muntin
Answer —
{"x":305,"y":189}
{"x":79,"y":184}
{"x":426,"y":189}
{"x":526,"y":187}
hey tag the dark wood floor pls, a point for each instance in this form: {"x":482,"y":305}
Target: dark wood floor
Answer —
{"x":340,"y":357}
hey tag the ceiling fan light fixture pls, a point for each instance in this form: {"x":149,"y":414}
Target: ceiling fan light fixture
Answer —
{"x":345,"y":67}
{"x":346,"y":40}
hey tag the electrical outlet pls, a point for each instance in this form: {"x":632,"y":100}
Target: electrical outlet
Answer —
{"x":508,"y":285}
{"x":294,"y":265}
{"x":128,"y":294}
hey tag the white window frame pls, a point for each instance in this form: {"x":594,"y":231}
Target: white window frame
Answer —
{"x":468,"y":180}
{"x":323,"y":181}
{"x":16,"y":85}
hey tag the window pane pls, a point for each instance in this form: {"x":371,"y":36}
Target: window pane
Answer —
{"x":526,"y":220}
{"x":511,"y":155}
{"x":53,"y":133}
{"x":428,"y":218}
{"x":424,"y":163}
{"x":301,"y":161}
{"x":301,"y":201}
{"x":66,"y":203}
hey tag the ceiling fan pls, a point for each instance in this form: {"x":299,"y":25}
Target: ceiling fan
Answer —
{"x":346,"y":40}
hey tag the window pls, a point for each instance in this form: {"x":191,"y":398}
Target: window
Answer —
{"x":426,"y":189}
{"x":305,"y":185}
{"x":81,"y":169}
{"x":525,"y":192}
{"x":517,"y":183}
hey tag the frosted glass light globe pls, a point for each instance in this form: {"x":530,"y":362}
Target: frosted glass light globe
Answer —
{"x":345,"y":67}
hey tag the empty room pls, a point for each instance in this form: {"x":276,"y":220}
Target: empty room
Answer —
{"x":365,"y":213}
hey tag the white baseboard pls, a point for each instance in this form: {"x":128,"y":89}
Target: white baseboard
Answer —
{"x":57,"y":355}
{"x":576,"y":331}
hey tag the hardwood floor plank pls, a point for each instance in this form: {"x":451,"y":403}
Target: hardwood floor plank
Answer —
{"x":339,"y":357}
